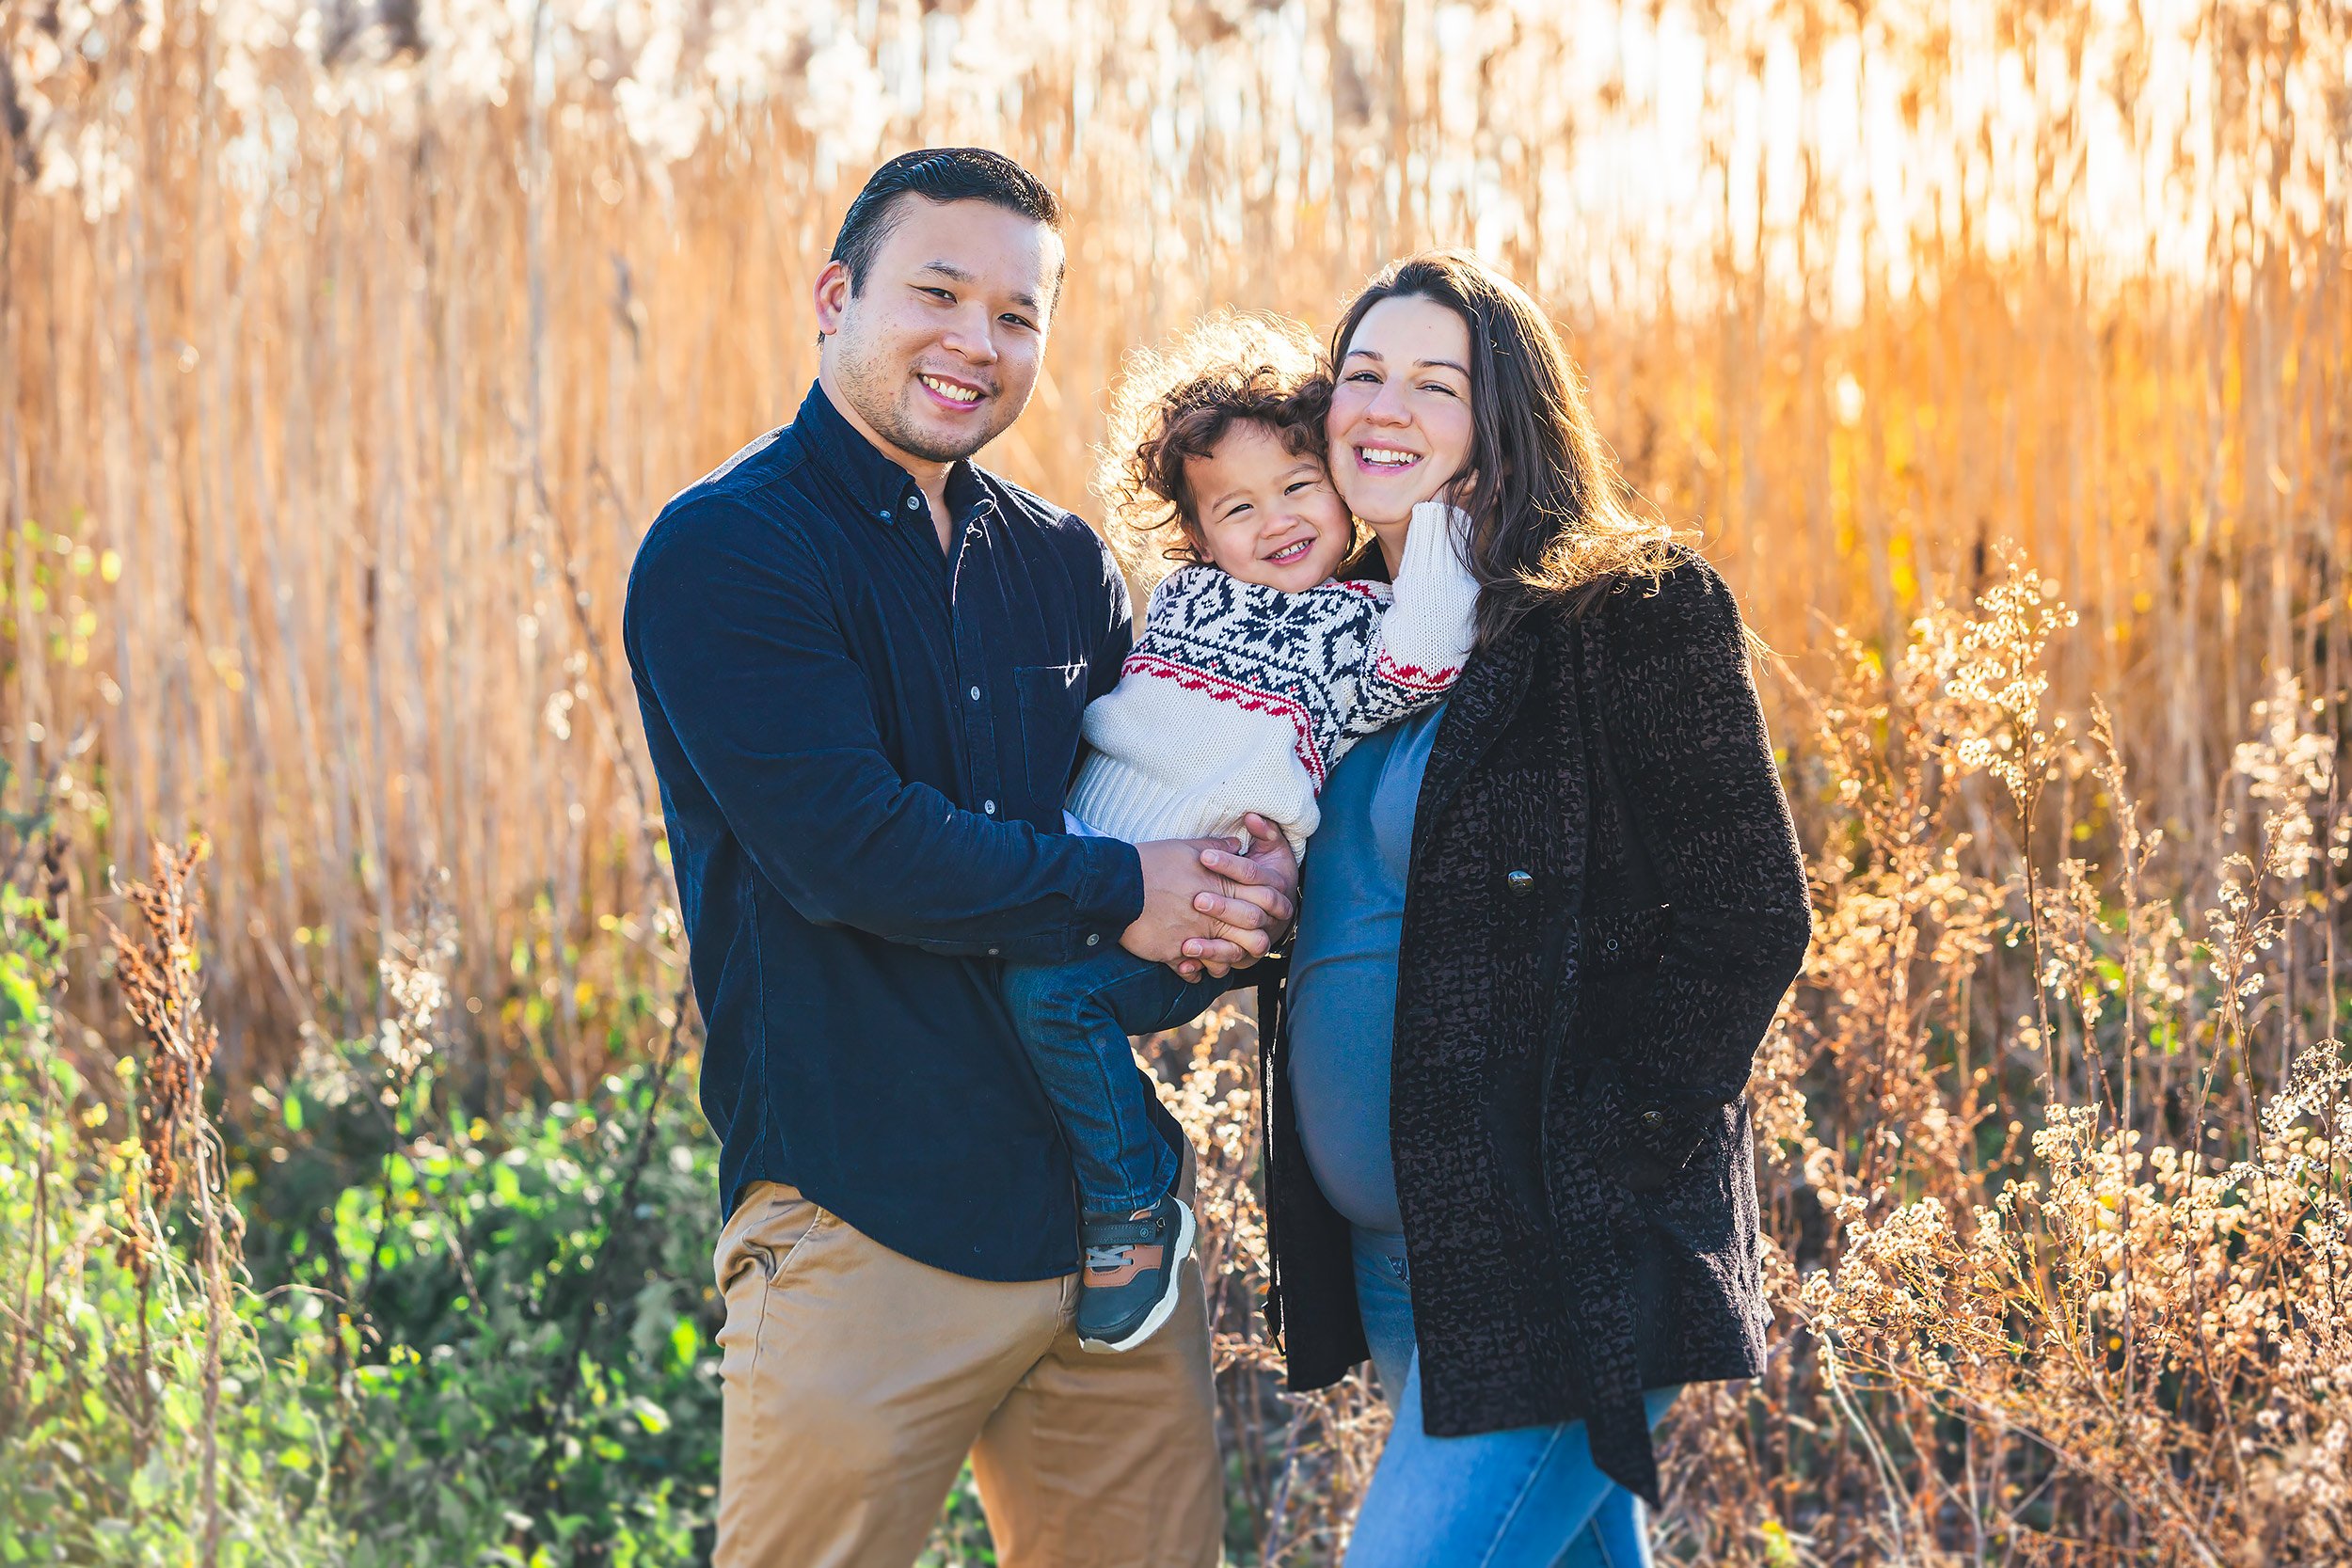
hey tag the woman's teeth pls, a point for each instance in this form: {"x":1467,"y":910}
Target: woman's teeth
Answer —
{"x":1386,"y":457}
{"x":949,"y":390}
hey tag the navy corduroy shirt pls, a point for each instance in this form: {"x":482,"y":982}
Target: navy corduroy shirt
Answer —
{"x":863,"y":743}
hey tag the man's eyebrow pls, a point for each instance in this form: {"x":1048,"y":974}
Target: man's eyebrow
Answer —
{"x":949,"y":269}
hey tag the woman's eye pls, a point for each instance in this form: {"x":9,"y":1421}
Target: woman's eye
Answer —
{"x":1437,"y":387}
{"x":1365,"y":375}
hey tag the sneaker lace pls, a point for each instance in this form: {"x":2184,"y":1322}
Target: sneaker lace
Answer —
{"x":1106,"y":1257}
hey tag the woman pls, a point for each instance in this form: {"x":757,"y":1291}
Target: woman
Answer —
{"x":1542,"y":932}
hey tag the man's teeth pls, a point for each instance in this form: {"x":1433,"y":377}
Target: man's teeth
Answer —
{"x":1388,"y":456}
{"x":949,"y":390}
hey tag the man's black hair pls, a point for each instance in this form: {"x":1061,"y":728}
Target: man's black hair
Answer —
{"x":938,"y":174}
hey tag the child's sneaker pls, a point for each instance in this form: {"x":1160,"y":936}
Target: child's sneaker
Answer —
{"x":1129,"y":1285}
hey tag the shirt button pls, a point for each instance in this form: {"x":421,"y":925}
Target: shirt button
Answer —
{"x":989,"y":806}
{"x":991,"y":952}
{"x":976,"y":693}
{"x":914,"y":501}
{"x":1093,"y":939}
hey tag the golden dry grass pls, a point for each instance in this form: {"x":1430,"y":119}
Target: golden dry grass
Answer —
{"x":336,"y":396}
{"x":345,"y":354}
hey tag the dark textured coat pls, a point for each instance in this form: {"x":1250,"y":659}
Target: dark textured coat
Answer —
{"x":1605,"y":903}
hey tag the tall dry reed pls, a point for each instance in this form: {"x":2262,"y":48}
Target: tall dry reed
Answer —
{"x":345,"y":351}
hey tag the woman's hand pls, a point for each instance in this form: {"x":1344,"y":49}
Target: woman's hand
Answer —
{"x":1207,"y":909}
{"x":1260,"y":882}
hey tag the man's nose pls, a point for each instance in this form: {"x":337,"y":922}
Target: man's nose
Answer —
{"x":971,"y":335}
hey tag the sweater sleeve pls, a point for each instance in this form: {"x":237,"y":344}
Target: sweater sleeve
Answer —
{"x":1425,"y":634}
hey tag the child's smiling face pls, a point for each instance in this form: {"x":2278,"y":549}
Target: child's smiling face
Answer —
{"x":1265,"y":514}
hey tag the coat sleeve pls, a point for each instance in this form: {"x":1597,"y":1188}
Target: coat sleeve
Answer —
{"x":1695,"y":774}
{"x":736,"y":650}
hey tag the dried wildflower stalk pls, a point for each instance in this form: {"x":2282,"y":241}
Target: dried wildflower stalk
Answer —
{"x":160,"y":974}
{"x":2143,"y":1344}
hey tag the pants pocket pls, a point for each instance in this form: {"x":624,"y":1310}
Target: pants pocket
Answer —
{"x":771,"y":1225}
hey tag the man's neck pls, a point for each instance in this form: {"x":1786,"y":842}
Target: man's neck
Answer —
{"x":929,"y":477}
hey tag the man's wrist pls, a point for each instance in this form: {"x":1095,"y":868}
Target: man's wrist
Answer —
{"x":1110,"y":894}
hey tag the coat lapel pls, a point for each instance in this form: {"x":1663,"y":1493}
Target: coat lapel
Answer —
{"x":1480,"y":706}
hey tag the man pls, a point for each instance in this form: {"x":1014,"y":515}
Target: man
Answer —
{"x":862,"y":662}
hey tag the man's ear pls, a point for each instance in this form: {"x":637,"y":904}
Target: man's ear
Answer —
{"x":832,"y":296}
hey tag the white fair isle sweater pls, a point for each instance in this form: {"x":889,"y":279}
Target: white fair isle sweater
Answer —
{"x":1242,"y":698}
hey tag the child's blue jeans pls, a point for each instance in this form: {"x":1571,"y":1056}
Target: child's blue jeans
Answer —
{"x":1074,"y":1018}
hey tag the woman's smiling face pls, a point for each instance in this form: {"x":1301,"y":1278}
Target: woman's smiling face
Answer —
{"x":1400,"y":425}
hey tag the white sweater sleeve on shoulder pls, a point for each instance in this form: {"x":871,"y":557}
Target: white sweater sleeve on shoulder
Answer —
{"x":1425,"y":633}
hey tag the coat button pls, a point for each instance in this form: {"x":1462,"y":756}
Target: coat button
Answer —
{"x":1520,"y":883}
{"x":1653,"y":1118}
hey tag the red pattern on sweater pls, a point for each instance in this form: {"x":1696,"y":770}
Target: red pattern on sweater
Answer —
{"x":1412,"y":677}
{"x":1246,"y":698}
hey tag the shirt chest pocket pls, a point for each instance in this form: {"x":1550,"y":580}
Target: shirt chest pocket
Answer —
{"x":1053,"y":701}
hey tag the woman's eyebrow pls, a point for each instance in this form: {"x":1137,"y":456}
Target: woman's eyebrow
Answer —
{"x":1370,"y":353}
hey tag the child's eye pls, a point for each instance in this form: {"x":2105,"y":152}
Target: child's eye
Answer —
{"x":1298,"y":484}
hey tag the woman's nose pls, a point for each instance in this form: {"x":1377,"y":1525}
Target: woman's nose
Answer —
{"x":1387,"y":407}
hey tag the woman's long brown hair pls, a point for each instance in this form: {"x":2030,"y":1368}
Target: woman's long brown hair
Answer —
{"x":1548,"y":522}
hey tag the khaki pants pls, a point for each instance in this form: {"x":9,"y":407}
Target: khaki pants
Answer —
{"x":856,"y":1381}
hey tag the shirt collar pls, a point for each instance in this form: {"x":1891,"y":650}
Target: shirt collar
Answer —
{"x":880,"y":488}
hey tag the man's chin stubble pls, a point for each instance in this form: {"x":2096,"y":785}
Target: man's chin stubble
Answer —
{"x":922,"y":444}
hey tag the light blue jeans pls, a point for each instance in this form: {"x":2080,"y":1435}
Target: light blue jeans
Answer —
{"x":1529,"y":1497}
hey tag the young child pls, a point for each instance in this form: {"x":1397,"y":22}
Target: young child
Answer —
{"x":1255,"y":672}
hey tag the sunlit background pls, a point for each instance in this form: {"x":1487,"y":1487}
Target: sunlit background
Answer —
{"x":350,"y":347}
{"x":347,"y":349}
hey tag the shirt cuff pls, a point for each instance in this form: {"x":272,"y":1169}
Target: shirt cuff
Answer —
{"x":1110,"y":892}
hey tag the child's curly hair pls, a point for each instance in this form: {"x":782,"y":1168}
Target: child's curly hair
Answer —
{"x":1176,"y":404}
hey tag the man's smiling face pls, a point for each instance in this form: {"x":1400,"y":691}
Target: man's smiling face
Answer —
{"x":936,"y":351}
